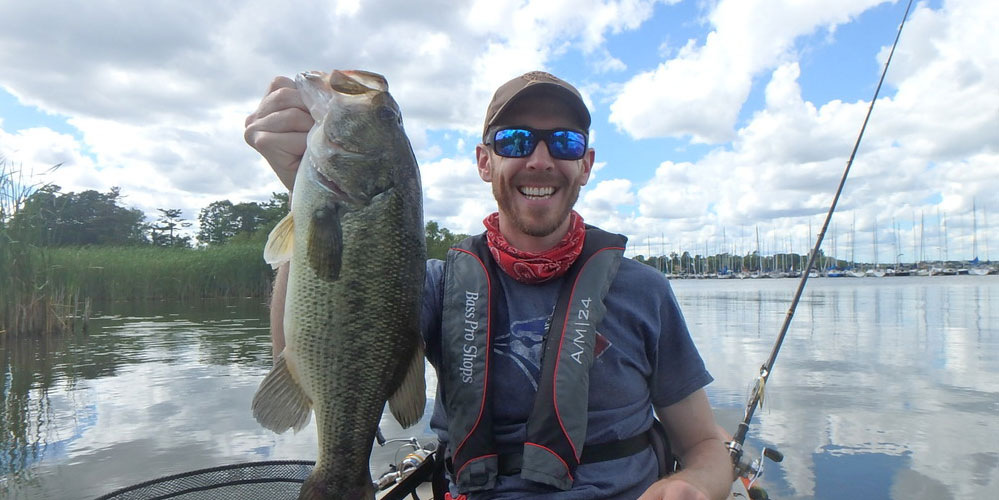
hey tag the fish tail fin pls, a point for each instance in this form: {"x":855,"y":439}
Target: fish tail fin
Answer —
{"x":410,"y":398}
{"x":319,"y":486}
{"x":280,"y":403}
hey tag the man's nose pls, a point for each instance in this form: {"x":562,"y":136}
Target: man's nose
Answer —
{"x":541,"y":159}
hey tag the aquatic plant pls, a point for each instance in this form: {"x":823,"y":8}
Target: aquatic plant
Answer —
{"x":137,"y":273}
{"x":30,"y":302}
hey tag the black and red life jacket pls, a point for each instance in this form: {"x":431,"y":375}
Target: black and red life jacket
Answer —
{"x":556,"y":428}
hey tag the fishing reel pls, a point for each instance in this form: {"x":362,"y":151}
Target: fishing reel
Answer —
{"x":749,"y":472}
{"x":404,"y":467}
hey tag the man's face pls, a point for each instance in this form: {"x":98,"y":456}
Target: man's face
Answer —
{"x":535,"y":194}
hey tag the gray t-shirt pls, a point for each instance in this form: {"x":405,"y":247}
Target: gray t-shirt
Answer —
{"x":643,"y":357}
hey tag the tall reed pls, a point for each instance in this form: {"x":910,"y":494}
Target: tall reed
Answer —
{"x":30,"y":301}
{"x":111,"y":274}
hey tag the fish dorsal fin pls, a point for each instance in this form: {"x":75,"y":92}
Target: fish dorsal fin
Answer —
{"x":280,"y":243}
{"x":410,"y":398}
{"x":280,"y":403}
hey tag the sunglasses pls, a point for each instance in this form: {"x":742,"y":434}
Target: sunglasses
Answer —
{"x":519,"y":142}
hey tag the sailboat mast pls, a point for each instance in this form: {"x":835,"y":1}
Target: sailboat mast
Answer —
{"x":759,"y":254}
{"x":974,"y":231}
{"x":922,"y":236}
{"x":853,"y":241}
{"x":894,"y":228}
{"x":985,"y":214}
{"x":876,"y":242}
{"x":943,"y":234}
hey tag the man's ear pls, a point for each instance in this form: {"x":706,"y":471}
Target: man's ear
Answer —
{"x":484,"y":162}
{"x":587,"y":165}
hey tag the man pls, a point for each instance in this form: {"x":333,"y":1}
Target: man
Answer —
{"x":551,"y":350}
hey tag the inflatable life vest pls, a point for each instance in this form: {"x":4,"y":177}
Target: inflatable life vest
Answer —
{"x":556,"y":428}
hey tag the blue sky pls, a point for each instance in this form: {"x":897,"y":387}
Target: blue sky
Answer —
{"x":709,"y":117}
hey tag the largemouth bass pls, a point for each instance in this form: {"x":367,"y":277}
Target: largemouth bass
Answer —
{"x":355,"y":243}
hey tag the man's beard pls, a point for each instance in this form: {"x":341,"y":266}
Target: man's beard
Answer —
{"x":552,"y":218}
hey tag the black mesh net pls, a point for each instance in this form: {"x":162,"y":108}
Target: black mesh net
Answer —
{"x":277,"y":479}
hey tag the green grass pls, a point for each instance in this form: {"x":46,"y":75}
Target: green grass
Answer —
{"x":52,"y":290}
{"x":47,"y":290}
{"x":105,"y":274}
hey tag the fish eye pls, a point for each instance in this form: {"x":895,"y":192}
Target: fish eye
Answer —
{"x":387,"y":114}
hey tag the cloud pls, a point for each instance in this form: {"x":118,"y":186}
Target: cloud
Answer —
{"x":159,"y":90}
{"x":157,"y":94}
{"x":41,"y":148}
{"x":699,"y":93}
{"x":936,"y":137}
{"x":455,"y":196}
{"x":607,"y":196}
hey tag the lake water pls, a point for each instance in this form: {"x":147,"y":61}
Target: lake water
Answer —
{"x":885,"y":388}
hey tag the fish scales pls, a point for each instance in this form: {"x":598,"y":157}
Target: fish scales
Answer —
{"x":355,"y":243}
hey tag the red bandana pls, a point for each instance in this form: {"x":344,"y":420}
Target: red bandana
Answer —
{"x":533,"y":268}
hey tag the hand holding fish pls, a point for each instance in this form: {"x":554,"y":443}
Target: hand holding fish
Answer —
{"x":279,"y":127}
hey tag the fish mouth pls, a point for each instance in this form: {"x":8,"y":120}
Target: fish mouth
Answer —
{"x":328,"y":185}
{"x":354,"y":82}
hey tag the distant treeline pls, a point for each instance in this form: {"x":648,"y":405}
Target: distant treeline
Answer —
{"x":50,"y":218}
{"x":61,"y":252}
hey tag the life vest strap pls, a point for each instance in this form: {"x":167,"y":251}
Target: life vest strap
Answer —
{"x":510,"y":463}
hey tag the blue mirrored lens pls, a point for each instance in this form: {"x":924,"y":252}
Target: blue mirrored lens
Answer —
{"x":567,"y":144}
{"x":515,"y":142}
{"x":520,"y":142}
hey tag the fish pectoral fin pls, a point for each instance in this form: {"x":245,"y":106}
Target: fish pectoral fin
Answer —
{"x":325,"y":242}
{"x":280,"y":403}
{"x":410,"y":398}
{"x":280,"y":243}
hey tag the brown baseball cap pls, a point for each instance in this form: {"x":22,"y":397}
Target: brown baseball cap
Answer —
{"x":534,"y":83}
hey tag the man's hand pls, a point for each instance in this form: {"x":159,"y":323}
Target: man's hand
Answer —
{"x":278,"y":130}
{"x":707,"y":472}
{"x":279,"y":127}
{"x":673,"y":488}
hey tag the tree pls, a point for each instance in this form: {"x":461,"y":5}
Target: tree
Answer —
{"x":163,"y":231}
{"x":439,"y":240}
{"x":248,"y":217}
{"x":274,"y":210}
{"x":52,"y":218}
{"x":216,"y":224}
{"x":222,"y":220}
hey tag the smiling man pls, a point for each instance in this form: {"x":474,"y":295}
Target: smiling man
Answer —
{"x":535,"y":192}
{"x":554,"y":354}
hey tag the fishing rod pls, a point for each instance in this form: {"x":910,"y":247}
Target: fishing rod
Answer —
{"x":735,"y":446}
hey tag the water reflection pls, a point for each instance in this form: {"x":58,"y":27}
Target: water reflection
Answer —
{"x":884,"y":387}
{"x":153,"y":390}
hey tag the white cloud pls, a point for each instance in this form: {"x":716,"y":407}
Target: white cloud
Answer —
{"x":607,"y":196}
{"x":936,"y":137}
{"x":455,"y":196}
{"x":40,"y":149}
{"x":699,"y":92}
{"x":159,"y":91}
